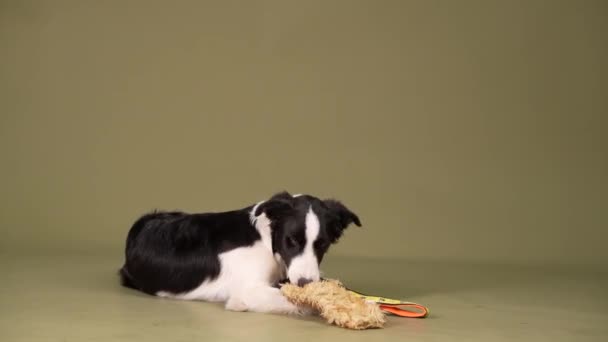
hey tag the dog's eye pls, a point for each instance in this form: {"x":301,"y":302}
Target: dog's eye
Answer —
{"x":291,"y":242}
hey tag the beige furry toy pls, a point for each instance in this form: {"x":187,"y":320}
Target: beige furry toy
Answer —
{"x":336,"y":304}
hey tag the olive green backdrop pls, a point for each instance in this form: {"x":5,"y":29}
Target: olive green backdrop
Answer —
{"x":457,"y":130}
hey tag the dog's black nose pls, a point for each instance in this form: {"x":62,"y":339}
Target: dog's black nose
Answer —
{"x":303,"y":281}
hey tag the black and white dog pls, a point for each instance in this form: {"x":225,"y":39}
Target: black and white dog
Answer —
{"x":236,"y":257}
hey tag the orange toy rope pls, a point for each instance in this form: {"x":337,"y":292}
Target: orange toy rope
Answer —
{"x":396,"y":307}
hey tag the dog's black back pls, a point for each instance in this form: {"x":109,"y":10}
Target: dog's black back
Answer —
{"x":176,"y":251}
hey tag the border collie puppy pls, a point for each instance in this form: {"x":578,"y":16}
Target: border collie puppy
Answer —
{"x":236,"y":257}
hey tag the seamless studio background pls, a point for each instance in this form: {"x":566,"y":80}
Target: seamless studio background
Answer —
{"x":471,"y":130}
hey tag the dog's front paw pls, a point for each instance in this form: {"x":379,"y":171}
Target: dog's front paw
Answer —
{"x":302,"y":310}
{"x":235,"y":304}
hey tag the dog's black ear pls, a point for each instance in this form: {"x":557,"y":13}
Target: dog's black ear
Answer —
{"x":344,"y":215}
{"x":278,"y":205}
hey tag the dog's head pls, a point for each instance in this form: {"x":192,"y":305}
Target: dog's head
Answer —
{"x":303,"y":228}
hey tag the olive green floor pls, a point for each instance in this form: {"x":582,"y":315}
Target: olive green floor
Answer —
{"x":77,"y":298}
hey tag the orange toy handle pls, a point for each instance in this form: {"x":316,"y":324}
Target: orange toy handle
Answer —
{"x":396,"y":307}
{"x":404,"y":310}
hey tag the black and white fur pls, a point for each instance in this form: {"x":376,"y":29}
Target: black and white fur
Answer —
{"x":237,"y":256}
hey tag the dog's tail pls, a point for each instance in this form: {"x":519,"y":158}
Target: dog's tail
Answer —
{"x":125,"y":278}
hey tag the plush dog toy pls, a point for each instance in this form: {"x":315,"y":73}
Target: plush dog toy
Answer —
{"x":336,"y":304}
